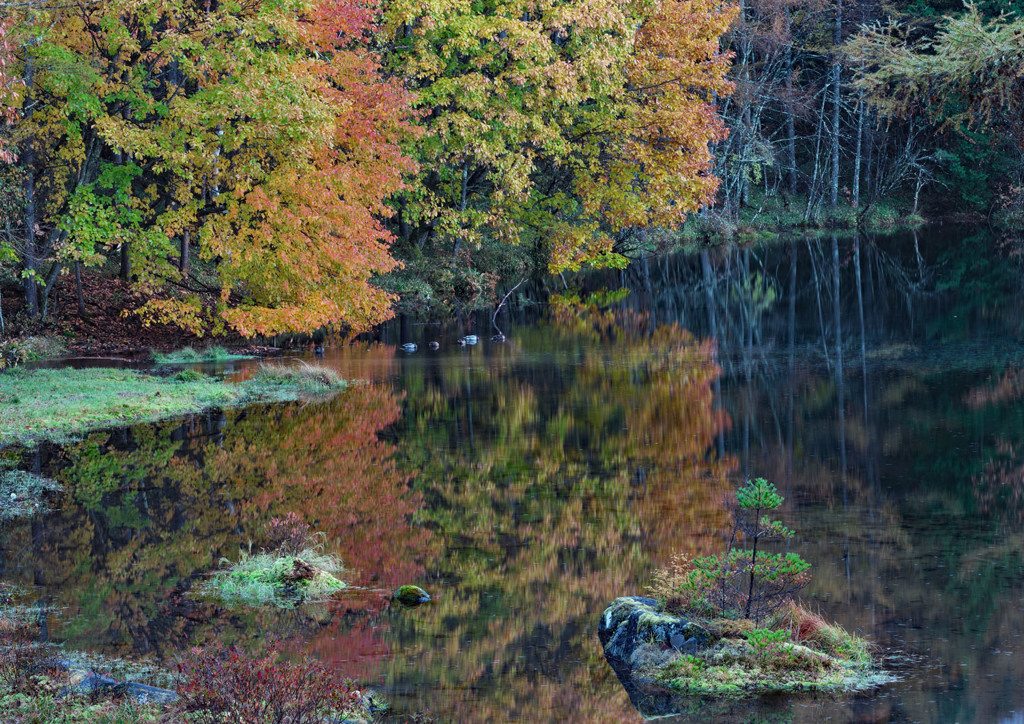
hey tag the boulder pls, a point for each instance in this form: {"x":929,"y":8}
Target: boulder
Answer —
{"x":634,"y":621}
{"x":84,"y":681}
{"x":411,"y":596}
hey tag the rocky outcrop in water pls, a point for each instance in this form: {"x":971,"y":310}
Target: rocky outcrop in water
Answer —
{"x":634,"y":633}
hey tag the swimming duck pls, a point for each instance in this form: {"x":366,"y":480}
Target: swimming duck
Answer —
{"x":499,"y":337}
{"x":409,"y":347}
{"x":434,"y":346}
{"x":470,"y":339}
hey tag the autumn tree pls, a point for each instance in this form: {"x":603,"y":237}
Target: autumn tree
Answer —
{"x":971,"y":74}
{"x":260,"y":131}
{"x":557,"y":123}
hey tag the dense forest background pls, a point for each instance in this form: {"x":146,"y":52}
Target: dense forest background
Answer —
{"x":256,"y":167}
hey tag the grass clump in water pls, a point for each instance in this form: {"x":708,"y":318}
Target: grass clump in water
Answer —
{"x":306,"y":377}
{"x":295,"y":570}
{"x":191,"y":355}
{"x":271,"y":579}
{"x":59,"y":404}
{"x":797,"y":650}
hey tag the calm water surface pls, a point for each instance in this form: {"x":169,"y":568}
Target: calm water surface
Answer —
{"x":526,"y":484}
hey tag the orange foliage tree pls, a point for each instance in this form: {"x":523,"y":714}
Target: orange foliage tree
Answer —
{"x":262,"y":130}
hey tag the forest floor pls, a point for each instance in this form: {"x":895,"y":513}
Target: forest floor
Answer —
{"x":108,"y":328}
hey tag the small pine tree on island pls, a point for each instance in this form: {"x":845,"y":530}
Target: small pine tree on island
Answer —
{"x":730,"y":623}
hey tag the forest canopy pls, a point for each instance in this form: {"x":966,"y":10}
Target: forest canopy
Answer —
{"x":260,"y":167}
{"x":239,"y":161}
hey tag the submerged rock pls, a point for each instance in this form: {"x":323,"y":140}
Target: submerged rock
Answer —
{"x":411,"y":596}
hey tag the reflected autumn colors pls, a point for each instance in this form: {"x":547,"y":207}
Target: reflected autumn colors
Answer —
{"x":147,"y":510}
{"x":554,"y":489}
{"x":526,"y":484}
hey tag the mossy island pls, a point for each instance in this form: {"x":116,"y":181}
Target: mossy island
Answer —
{"x":729,"y":624}
{"x":292,"y":568}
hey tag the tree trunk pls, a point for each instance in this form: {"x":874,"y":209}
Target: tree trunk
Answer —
{"x":78,"y":289}
{"x":462,"y":204}
{"x":50,"y":279}
{"x":857,"y":155}
{"x":837,"y":40}
{"x":31,"y":259}
{"x":183,"y":257}
{"x":790,"y":122}
{"x":126,"y":262}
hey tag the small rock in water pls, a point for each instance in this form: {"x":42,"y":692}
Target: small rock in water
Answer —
{"x":411,"y":596}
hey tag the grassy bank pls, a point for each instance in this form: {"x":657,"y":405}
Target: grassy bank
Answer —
{"x":58,"y":404}
{"x":191,"y":355}
{"x":767,"y":216}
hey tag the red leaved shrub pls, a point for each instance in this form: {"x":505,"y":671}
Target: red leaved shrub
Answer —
{"x":222,"y":681}
{"x":288,"y":535}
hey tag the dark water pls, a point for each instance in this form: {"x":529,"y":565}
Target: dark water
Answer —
{"x":525,"y":484}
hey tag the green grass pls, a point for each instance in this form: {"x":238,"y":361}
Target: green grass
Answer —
{"x":267,"y":579}
{"x":60,"y":404}
{"x":797,"y":651}
{"x":768,"y":216}
{"x":190,"y":355}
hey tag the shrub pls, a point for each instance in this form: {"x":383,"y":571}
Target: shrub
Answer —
{"x":14,"y":352}
{"x":222,"y":684}
{"x":738,"y":583}
{"x":22,"y":660}
{"x":765,"y":641}
{"x":289,"y":535}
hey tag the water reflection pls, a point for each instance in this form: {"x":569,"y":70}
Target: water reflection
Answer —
{"x":528,"y":483}
{"x":146,"y":510}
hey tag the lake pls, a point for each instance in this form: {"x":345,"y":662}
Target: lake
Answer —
{"x":527,"y":483}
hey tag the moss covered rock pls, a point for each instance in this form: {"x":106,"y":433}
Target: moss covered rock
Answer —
{"x":411,"y":595}
{"x":632,"y":621}
{"x":647,"y":645}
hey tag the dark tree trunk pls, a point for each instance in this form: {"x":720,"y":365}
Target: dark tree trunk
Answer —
{"x":183,"y":257}
{"x":31,"y":259}
{"x":78,"y":289}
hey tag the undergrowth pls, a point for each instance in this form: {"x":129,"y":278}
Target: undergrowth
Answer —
{"x":221,"y":684}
